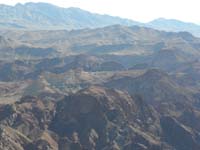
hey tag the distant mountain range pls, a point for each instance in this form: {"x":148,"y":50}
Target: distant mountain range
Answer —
{"x":174,"y":25}
{"x":44,"y":16}
{"x":48,"y":16}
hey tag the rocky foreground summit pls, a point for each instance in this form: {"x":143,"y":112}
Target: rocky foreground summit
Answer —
{"x":95,"y":118}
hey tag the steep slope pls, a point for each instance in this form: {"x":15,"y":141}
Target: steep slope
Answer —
{"x":46,"y":16}
{"x":94,"y":118}
{"x":72,"y":122}
{"x":155,"y":86}
{"x":171,"y":59}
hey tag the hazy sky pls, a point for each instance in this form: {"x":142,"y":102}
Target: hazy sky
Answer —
{"x":139,"y":10}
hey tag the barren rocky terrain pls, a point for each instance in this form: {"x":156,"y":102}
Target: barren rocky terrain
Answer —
{"x":108,"y":88}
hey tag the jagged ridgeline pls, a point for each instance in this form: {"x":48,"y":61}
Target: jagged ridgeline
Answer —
{"x":44,"y":16}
